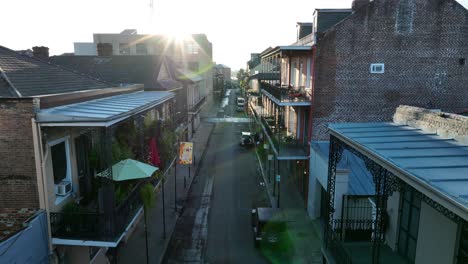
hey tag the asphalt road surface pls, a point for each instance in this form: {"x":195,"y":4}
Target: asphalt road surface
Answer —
{"x":215,"y":226}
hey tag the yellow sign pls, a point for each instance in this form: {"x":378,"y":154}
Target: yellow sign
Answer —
{"x":185,"y":153}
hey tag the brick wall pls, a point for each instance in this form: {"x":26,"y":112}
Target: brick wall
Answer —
{"x":18,"y":186}
{"x":444,"y":124}
{"x":424,"y":52}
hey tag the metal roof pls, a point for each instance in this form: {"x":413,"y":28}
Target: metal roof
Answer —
{"x":102,"y":112}
{"x":278,"y":49}
{"x":360,"y":180}
{"x":435,"y":166}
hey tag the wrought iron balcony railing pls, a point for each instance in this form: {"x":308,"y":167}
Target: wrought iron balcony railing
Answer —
{"x":194,"y":108}
{"x":283,"y":142}
{"x":287,"y":94}
{"x":96,"y":226}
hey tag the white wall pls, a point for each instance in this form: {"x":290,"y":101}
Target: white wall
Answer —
{"x":318,"y":178}
{"x":85,"y":49}
{"x":391,"y":234}
{"x":341,"y":188}
{"x":318,"y":175}
{"x":437,"y":237}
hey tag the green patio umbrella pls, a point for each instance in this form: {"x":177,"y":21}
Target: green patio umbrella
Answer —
{"x":130,"y":170}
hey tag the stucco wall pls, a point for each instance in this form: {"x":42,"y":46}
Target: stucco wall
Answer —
{"x":436,"y":237}
{"x":391,"y":234}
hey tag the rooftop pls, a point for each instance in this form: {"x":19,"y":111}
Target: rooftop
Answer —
{"x":120,"y":70}
{"x":102,"y":112}
{"x":23,"y":76}
{"x":434,"y":165}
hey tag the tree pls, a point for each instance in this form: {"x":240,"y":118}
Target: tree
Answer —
{"x":148,"y":198}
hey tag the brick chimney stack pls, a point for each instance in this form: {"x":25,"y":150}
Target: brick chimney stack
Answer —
{"x":41,"y":52}
{"x":357,"y":4}
{"x":104,"y":49}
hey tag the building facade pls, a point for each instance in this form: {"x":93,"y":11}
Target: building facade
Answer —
{"x":418,"y":170}
{"x":60,"y":138}
{"x":193,"y":53}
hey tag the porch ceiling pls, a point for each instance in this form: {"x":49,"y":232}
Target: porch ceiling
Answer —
{"x":436,"y":166}
{"x":102,"y":112}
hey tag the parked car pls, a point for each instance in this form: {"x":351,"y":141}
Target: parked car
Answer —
{"x":240,"y":104}
{"x":269,"y":226}
{"x":246,"y":139}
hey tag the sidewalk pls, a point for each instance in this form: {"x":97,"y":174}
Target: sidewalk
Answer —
{"x":134,"y":250}
{"x":303,"y":232}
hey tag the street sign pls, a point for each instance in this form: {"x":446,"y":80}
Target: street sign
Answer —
{"x":270,"y":157}
{"x":278,"y":178}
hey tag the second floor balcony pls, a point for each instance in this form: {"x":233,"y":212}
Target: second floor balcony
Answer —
{"x":287,"y":95}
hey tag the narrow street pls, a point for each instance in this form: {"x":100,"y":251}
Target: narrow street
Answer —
{"x":215,"y":224}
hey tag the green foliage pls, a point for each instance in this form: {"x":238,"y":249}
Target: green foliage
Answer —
{"x":261,"y":152}
{"x":166,"y":142}
{"x":94,"y":158}
{"x":72,"y":208}
{"x":121,"y":152}
{"x":147,"y":196}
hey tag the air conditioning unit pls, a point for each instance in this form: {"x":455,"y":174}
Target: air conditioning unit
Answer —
{"x":63,"y":188}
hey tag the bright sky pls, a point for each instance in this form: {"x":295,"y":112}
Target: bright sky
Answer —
{"x":236,"y":28}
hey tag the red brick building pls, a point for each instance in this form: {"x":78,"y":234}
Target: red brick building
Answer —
{"x":387,"y":53}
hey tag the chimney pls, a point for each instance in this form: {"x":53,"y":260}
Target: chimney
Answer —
{"x":41,"y":52}
{"x":104,"y":49}
{"x":357,"y":4}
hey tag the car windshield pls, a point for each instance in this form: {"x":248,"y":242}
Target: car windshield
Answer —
{"x":197,"y":131}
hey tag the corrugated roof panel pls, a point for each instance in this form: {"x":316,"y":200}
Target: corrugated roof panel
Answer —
{"x":440,"y":162}
{"x":104,"y":109}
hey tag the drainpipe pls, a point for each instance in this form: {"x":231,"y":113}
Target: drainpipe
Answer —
{"x":311,"y":119}
{"x":41,"y":158}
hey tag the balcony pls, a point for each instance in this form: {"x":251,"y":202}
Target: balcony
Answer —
{"x":196,"y":107}
{"x":97,"y":226}
{"x":286,"y":145}
{"x":284,"y":96}
{"x":353,"y":237}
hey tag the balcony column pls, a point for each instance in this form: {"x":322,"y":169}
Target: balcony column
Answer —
{"x":106,"y":194}
{"x":335,"y":152}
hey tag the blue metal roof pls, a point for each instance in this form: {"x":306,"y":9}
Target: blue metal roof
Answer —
{"x":360,"y":180}
{"x":436,"y":166}
{"x":102,"y":112}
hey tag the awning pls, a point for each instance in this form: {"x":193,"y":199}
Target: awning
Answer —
{"x":433,"y":165}
{"x":102,"y":112}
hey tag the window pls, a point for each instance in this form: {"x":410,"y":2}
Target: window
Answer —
{"x":404,"y":19}
{"x":377,"y":68}
{"x":193,"y":66}
{"x":191,"y":48}
{"x":124,"y":49}
{"x":59,"y":162}
{"x":409,"y":224}
{"x":461,"y":61}
{"x":141,"y":49}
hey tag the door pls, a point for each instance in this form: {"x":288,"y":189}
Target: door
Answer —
{"x":409,"y":225}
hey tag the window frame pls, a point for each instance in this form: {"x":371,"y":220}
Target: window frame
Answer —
{"x":373,"y":68}
{"x":68,"y":176}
